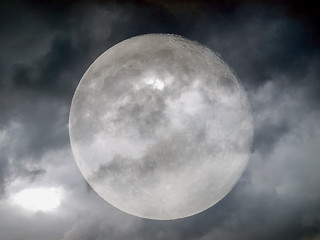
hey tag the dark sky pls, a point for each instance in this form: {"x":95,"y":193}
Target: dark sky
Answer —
{"x":274,"y":48}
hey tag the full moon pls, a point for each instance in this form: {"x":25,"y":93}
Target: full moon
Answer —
{"x":160,"y":127}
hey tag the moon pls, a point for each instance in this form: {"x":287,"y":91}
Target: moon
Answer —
{"x":160,"y":127}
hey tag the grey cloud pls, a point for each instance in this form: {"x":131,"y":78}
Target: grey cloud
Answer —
{"x":40,"y":71}
{"x":276,"y":194}
{"x":41,"y":63}
{"x":261,"y":44}
{"x":34,"y":128}
{"x":179,"y":145}
{"x":3,"y":174}
{"x":276,"y":198}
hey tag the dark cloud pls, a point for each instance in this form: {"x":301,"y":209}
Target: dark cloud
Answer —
{"x":272,"y":46}
{"x":40,"y":72}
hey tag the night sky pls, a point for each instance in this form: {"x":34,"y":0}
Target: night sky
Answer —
{"x":272,"y":46}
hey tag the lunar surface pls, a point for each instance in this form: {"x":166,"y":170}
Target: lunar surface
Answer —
{"x":160,"y":127}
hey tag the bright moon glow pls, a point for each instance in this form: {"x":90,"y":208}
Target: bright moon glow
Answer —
{"x":39,"y":199}
{"x":160,"y":127}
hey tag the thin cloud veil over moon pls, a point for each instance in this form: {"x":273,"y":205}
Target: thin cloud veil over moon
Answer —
{"x":160,"y":127}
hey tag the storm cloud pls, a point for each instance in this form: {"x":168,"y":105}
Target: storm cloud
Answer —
{"x":273,"y":49}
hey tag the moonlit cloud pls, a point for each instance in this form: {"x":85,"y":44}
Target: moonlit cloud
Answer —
{"x":274,"y":50}
{"x":38,"y":199}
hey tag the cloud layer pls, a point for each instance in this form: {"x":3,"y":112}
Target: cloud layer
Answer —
{"x":45,"y":51}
